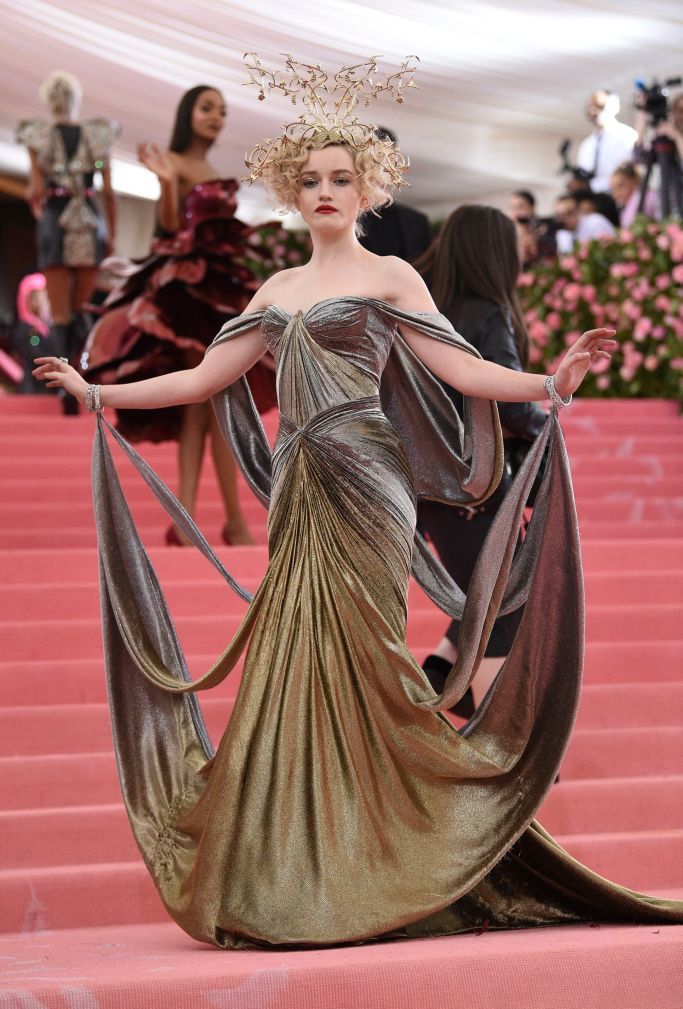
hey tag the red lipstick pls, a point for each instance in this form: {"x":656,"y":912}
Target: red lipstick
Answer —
{"x":325,"y":208}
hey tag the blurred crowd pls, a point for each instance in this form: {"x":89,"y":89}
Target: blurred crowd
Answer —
{"x":612,"y":180}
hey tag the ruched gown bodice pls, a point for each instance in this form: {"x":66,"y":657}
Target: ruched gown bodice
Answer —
{"x":341,"y":804}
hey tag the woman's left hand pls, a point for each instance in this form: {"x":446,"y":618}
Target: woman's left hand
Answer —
{"x":595,"y":345}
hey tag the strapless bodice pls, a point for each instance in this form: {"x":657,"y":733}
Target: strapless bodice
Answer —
{"x":209,"y":200}
{"x":355,"y":328}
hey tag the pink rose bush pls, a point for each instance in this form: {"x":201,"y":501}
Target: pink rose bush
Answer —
{"x":632,"y":283}
{"x":273,"y":248}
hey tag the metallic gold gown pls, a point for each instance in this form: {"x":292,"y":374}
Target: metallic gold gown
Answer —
{"x":341,"y":804}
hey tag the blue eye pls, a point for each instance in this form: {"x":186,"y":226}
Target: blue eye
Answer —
{"x":342,"y":180}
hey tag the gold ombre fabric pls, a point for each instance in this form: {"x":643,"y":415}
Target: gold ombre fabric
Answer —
{"x":341,"y":804}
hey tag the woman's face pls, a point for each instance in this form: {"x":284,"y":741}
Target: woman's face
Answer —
{"x":329,"y":193}
{"x":208,"y":115}
{"x":622,"y":188}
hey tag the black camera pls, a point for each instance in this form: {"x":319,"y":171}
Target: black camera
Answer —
{"x":653,"y":99}
{"x":567,"y":168}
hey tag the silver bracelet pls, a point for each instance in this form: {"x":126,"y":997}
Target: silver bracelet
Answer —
{"x":93,"y":402}
{"x":553,"y":394}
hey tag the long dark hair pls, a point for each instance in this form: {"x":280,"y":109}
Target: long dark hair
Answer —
{"x":476,"y":254}
{"x":181,"y":137}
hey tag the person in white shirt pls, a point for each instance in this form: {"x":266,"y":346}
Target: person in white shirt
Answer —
{"x":609,"y":145}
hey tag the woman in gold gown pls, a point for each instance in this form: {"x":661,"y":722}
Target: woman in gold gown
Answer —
{"x":341,"y":805}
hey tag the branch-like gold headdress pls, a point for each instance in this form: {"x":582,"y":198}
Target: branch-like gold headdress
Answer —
{"x":329,"y":103}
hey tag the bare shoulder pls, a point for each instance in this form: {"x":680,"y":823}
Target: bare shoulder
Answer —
{"x":407,"y":288}
{"x":274,"y":288}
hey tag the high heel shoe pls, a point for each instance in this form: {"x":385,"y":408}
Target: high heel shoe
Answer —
{"x":171,"y":537}
{"x":226,"y":537}
{"x":436,"y":670}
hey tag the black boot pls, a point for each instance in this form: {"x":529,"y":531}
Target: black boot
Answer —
{"x":436,"y":670}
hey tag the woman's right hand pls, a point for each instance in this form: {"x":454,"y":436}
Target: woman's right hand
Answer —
{"x":157,"y":161}
{"x":58,"y":374}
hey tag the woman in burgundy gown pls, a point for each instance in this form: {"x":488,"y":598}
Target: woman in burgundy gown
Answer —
{"x":169,"y":308}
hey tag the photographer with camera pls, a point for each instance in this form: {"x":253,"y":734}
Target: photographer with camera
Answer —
{"x":610,"y":143}
{"x":535,"y":235}
{"x":660,"y":142}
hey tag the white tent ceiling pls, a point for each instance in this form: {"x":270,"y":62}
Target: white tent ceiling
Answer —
{"x":500,"y":83}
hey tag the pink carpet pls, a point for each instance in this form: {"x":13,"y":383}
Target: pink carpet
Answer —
{"x":82,"y":926}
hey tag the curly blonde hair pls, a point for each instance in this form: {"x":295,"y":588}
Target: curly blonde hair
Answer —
{"x":61,"y":92}
{"x":280,"y":175}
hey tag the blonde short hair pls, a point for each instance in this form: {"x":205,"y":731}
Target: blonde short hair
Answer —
{"x":61,"y":92}
{"x":281,"y":176}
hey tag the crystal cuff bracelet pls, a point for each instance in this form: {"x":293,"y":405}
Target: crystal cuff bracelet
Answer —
{"x":92,"y":399}
{"x":553,"y":395}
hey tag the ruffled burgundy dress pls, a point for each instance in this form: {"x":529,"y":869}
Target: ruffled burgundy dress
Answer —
{"x":173,"y":304}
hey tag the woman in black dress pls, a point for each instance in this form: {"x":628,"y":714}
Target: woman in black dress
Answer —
{"x":471,"y":271}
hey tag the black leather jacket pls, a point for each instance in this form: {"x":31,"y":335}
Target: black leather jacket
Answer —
{"x":488,"y":328}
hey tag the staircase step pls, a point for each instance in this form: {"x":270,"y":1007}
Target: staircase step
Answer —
{"x":99,"y":894}
{"x":155,"y":966}
{"x":100,"y":832}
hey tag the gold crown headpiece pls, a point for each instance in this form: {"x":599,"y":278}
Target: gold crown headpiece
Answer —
{"x":329,"y":104}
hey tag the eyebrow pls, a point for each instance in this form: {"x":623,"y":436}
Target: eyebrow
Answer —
{"x":335,"y":171}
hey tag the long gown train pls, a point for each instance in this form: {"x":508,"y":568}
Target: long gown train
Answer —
{"x":341,"y":804}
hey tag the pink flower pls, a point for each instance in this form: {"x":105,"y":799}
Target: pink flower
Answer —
{"x":631,"y":310}
{"x":651,"y":362}
{"x":553,"y":320}
{"x":600,"y":366}
{"x":583,"y":253}
{"x":280,"y":250}
{"x":603,"y":382}
{"x":626,"y":235}
{"x":526,"y":280}
{"x":675,"y":324}
{"x":663,"y":241}
{"x":627,"y":373}
{"x":589,"y":293}
{"x":538,"y":333}
{"x":662,"y":303}
{"x":572,"y":292}
{"x":662,"y":281}
{"x":658,"y":332}
{"x":615,"y":270}
{"x":644,"y":254}
{"x":535,"y":354}
{"x":674,"y":230}
{"x":571,"y":338}
{"x":295,"y":256}
{"x":629,"y":269}
{"x":677,"y":363}
{"x":677,"y":273}
{"x":642,"y":328}
{"x":568,"y":262}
